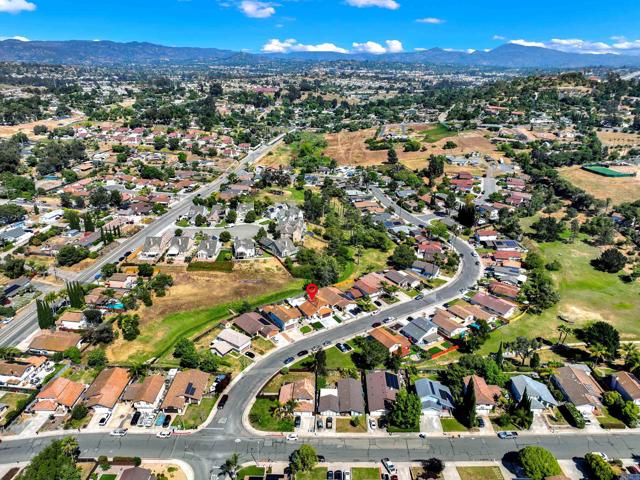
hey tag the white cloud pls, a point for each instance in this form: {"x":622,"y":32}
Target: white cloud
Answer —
{"x":369,"y":47}
{"x":256,"y":9}
{"x":394,"y":46}
{"x":390,"y":4}
{"x":431,"y":20}
{"x":16,"y":6}
{"x":577,"y":45}
{"x":498,"y":37}
{"x":275,"y":45}
{"x":20,"y":38}
{"x":526,"y":43}
{"x":420,"y":49}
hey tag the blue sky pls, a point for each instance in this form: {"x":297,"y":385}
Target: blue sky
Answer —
{"x":341,"y":25}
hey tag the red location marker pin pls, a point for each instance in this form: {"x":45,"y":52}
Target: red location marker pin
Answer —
{"x":312,"y":289}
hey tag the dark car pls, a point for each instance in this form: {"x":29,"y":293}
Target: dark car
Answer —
{"x":329,"y":474}
{"x":337,"y":475}
{"x":326,"y":343}
{"x":250,"y":354}
{"x":287,"y":361}
{"x":342,"y":347}
{"x":376,"y":324}
{"x":321,"y":459}
{"x":135,"y":418}
{"x":329,"y":423}
{"x":167,"y":421}
{"x":319,"y":424}
{"x":302,"y":353}
{"x":297,"y":421}
{"x":223,"y":401}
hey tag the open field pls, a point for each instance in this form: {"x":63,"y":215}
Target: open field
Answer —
{"x":171,"y":471}
{"x":619,"y":190}
{"x":585,"y":295}
{"x":198,"y":300}
{"x":618,"y":139}
{"x":27,"y":128}
{"x":365,"y":473}
{"x":278,"y":157}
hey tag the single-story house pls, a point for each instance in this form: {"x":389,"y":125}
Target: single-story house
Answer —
{"x":252,"y":323}
{"x":579,"y":387}
{"x":49,"y":343}
{"x":145,"y":395}
{"x":107,"y":388}
{"x":447,"y":324}
{"x":434,"y":397}
{"x":381,"y":388}
{"x":188,"y":387}
{"x":59,"y":395}
{"x":72,"y":320}
{"x":14,"y":372}
{"x":229,"y":340}
{"x":421,"y":331}
{"x":302,"y":392}
{"x":122,"y":281}
{"x":486,"y":395}
{"x":402,"y":279}
{"x":426,"y":269}
{"x":137,"y":473}
{"x":394,"y":343}
{"x":627,"y":385}
{"x":538,"y":393}
{"x":494,"y":304}
{"x":284,"y":317}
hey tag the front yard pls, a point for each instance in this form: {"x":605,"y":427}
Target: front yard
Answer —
{"x":319,"y":473}
{"x":262,"y":416}
{"x":480,"y":473}
{"x":452,"y":425}
{"x":344,"y":425}
{"x":195,"y":415}
{"x":365,"y":473}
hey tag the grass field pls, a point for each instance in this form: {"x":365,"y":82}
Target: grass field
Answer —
{"x":585,"y":295}
{"x":343,"y":425}
{"x":480,"y":473}
{"x":277,"y":381}
{"x":337,"y":360}
{"x":365,"y":473}
{"x":158,"y":333}
{"x":452,"y":425}
{"x":262,"y":418}
{"x":195,"y":414}
{"x":619,"y":190}
{"x":437,"y":133}
{"x":251,"y":471}
{"x":371,"y":260}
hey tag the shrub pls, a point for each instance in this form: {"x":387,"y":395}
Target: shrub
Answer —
{"x":598,"y":467}
{"x":538,"y":462}
{"x":573,"y":415}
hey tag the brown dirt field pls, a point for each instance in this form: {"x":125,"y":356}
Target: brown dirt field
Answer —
{"x":199,"y":290}
{"x":619,"y":190}
{"x":348,"y":148}
{"x":27,"y":128}
{"x":172,"y":472}
{"x":619,"y":139}
{"x":281,"y":156}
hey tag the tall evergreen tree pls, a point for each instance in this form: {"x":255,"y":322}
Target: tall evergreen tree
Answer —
{"x":500,"y":356}
{"x":469,"y":405}
{"x":45,"y":314}
{"x":89,"y":225}
{"x":75,"y":293}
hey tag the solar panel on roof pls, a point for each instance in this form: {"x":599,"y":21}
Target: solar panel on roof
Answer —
{"x":392,"y":381}
{"x":190,"y":390}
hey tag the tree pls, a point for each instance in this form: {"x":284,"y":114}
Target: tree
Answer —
{"x":524,"y":347}
{"x":11,"y":213}
{"x":521,"y":415}
{"x":304,"y":459}
{"x":538,"y":463}
{"x":405,"y":411}
{"x":145,"y":270}
{"x":129,"y":324}
{"x":250,"y":217}
{"x":611,"y":260}
{"x":73,"y":354}
{"x":108,"y":269}
{"x":539,"y":292}
{"x":392,"y":156}
{"x":13,"y":267}
{"x":371,"y":353}
{"x":231,"y":465}
{"x":45,"y":314}
{"x":467,"y":411}
{"x":467,"y":215}
{"x":548,"y":229}
{"x":598,"y":467}
{"x":603,"y":334}
{"x":225,"y":236}
{"x":75,"y":293}
{"x":320,"y":362}
{"x":99,"y":198}
{"x":79,"y":411}
{"x":97,"y":358}
{"x":598,"y":352}
{"x":564,"y":332}
{"x":403,"y":257}
{"x":54,"y":462}
{"x":71,"y":254}
{"x":209,"y":362}
{"x":89,"y":225}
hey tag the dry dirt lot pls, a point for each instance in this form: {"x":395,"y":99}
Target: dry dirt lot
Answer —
{"x":27,"y":128}
{"x":619,"y":190}
{"x":348,"y":148}
{"x":618,"y":139}
{"x":197,"y":291}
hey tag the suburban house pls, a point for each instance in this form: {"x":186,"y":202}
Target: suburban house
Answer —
{"x":328,"y":404}
{"x":122,"y":281}
{"x":369,"y":285}
{"x":284,"y":317}
{"x":426,"y":269}
{"x":49,"y":343}
{"x":579,"y":387}
{"x":447,"y":324}
{"x":137,"y":473}
{"x":484,"y":236}
{"x":402,"y":279}
{"x":179,"y":248}
{"x":72,"y":320}
{"x":381,"y":388}
{"x":208,"y":250}
{"x":145,"y":395}
{"x":58,"y":397}
{"x":229,"y":340}
{"x":627,"y":385}
{"x":107,"y":388}
{"x":486,"y":395}
{"x":154,"y":247}
{"x":14,"y":372}
{"x":421,"y":331}
{"x":188,"y":387}
{"x":335,"y":298}
{"x":463,"y":313}
{"x":252,"y":323}
{"x":302,"y":392}
{"x":494,"y":304}
{"x":538,"y":393}
{"x":434,"y":397}
{"x":504,"y":289}
{"x":281,"y":248}
{"x":346,"y":399}
{"x":244,"y":248}
{"x":394,"y":343}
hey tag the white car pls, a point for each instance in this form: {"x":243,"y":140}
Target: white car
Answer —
{"x":118,"y":432}
{"x":388,"y":464}
{"x":373,"y":424}
{"x":604,"y":456}
{"x":103,"y":421}
{"x":163,"y":434}
{"x":346,"y":475}
{"x":292,"y":437}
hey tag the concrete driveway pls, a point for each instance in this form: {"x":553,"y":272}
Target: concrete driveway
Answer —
{"x":430,"y":424}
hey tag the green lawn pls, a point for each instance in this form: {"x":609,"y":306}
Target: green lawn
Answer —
{"x":296,"y":195}
{"x":365,"y":473}
{"x":186,"y":324}
{"x":195,"y":414}
{"x":319,"y":473}
{"x":370,"y":260}
{"x":480,"y":473}
{"x":343,"y":425}
{"x":108,"y":476}
{"x":585,"y":295}
{"x":452,"y":425}
{"x":306,"y":329}
{"x":336,"y":359}
{"x":437,"y":133}
{"x":609,"y":420}
{"x":250,"y":471}
{"x":262,"y":418}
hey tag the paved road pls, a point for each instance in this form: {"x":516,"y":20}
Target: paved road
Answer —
{"x":25,"y":322}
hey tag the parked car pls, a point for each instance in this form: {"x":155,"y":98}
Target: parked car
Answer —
{"x":373,"y":424}
{"x":292,"y":437}
{"x":321,"y":459}
{"x":297,"y":421}
{"x":419,"y":297}
{"x":347,"y":475}
{"x":388,"y":464}
{"x":119,"y":432}
{"x":329,"y":474}
{"x":329,"y":422}
{"x":103,"y":421}
{"x":507,"y":435}
{"x":223,"y":401}
{"x":633,"y":469}
{"x":319,"y":424}
{"x":163,"y":434}
{"x":376,"y":324}
{"x":250,"y":354}
{"x":481,"y":423}
{"x":326,"y":343}
{"x":134,"y":419}
{"x":167,"y":421}
{"x":337,"y":475}
{"x":287,"y":361}
{"x":302,"y":353}
{"x":148,"y":421}
{"x":388,"y":319}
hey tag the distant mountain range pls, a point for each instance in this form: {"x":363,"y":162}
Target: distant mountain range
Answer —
{"x":82,"y":52}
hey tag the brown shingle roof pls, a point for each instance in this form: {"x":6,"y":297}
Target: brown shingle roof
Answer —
{"x":63,"y":391}
{"x":54,"y":341}
{"x":188,"y":384}
{"x":146,"y":391}
{"x":107,"y":387}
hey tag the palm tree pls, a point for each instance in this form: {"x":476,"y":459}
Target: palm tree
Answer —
{"x":598,"y":352}
{"x":628,"y":349}
{"x":564,"y":332}
{"x":230,"y":465}
{"x":632,"y":362}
